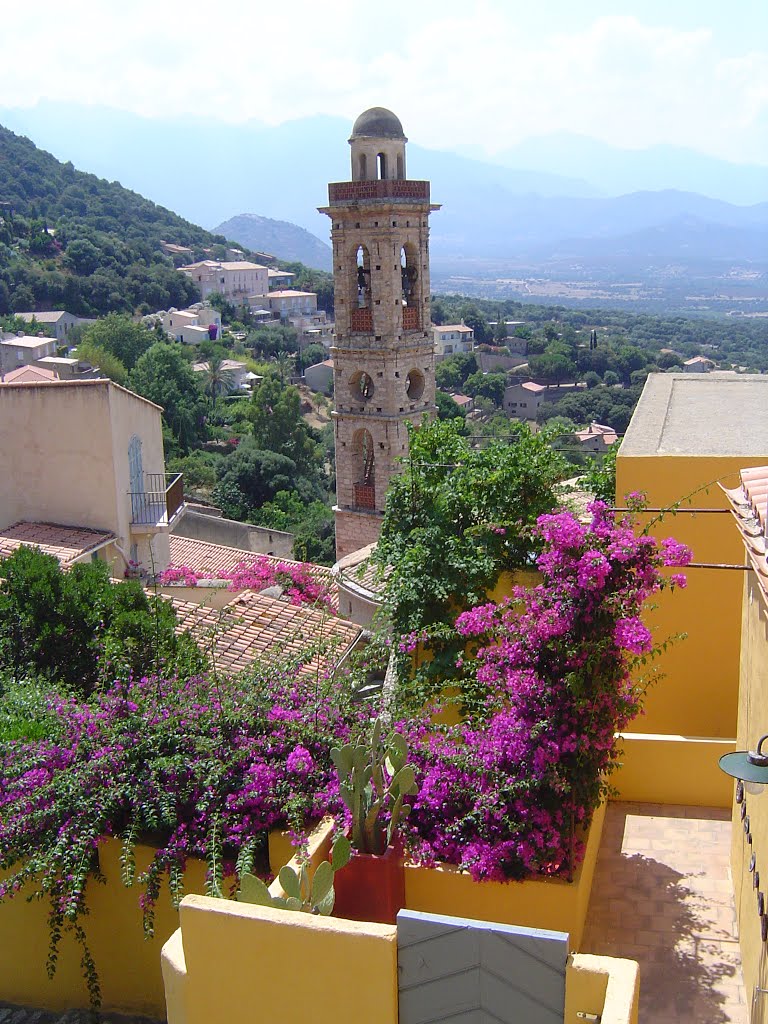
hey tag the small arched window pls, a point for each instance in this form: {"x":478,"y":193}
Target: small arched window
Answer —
{"x":381,"y":161}
{"x":363,"y":167}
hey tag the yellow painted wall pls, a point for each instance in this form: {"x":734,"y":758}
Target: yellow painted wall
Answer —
{"x":246,"y":963}
{"x":233,"y":962}
{"x":753,"y":723}
{"x":604,"y":986}
{"x":659,"y":768}
{"x":536,"y":903}
{"x":698,"y":695}
{"x":128,"y":964}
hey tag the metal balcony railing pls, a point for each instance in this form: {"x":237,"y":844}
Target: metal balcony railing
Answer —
{"x":159,"y":501}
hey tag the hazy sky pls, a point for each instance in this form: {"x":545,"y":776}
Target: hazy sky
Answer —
{"x":488,"y":73}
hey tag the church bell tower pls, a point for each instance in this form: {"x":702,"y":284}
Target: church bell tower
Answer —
{"x":383,"y":358}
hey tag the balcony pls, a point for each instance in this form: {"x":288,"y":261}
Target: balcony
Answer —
{"x":161,"y":498}
{"x":397,"y":189}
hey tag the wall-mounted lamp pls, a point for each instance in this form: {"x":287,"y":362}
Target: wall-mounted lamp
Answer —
{"x":747,"y":765}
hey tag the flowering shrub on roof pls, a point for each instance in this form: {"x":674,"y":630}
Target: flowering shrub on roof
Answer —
{"x":502,"y":795}
{"x":200,"y":768}
{"x":299,"y":585}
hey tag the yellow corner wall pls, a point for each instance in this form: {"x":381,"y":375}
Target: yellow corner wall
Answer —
{"x":254,"y":963}
{"x":698,"y":694}
{"x":127,"y":963}
{"x":230,"y":961}
{"x":607,"y":987}
{"x":659,"y":768}
{"x":753,"y":723}
{"x":537,"y":903}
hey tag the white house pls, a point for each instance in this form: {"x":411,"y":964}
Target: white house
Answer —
{"x":699,"y":364}
{"x":320,"y":376}
{"x":192,"y":325}
{"x":23,"y":349}
{"x":239,"y":378}
{"x":452,"y":338}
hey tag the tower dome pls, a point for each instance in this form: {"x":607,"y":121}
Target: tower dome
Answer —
{"x":378,"y":123}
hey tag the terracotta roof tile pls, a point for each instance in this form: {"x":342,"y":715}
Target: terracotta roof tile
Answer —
{"x":28,"y":375}
{"x":67,"y":543}
{"x":253,"y":625}
{"x":206,"y":557}
{"x":749,"y":504}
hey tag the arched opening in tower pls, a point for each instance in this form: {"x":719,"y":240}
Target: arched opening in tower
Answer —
{"x":363,"y":167}
{"x":363,"y":271}
{"x":381,"y":162}
{"x":409,"y":275}
{"x":364,"y":486}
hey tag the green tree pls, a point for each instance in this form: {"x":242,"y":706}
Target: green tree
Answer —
{"x":108,"y":363}
{"x":164,"y":376}
{"x":487,"y":385}
{"x":121,"y":337}
{"x":56,"y":624}
{"x":278,"y":426}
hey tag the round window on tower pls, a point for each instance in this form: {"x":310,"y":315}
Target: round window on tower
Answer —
{"x":361,"y":386}
{"x":414,"y":385}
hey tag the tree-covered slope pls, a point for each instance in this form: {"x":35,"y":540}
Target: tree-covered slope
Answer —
{"x":71,"y":240}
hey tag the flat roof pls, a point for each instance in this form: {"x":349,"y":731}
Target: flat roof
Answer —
{"x":700,"y":414}
{"x":94,"y":382}
{"x":67,"y":543}
{"x":27,"y":341}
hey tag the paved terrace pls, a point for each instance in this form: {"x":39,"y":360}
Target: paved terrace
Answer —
{"x":662,"y":895}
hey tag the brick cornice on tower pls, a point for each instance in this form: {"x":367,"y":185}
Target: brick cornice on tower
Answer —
{"x":384,"y":351}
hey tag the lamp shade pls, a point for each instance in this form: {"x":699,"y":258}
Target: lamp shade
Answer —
{"x":748,"y":765}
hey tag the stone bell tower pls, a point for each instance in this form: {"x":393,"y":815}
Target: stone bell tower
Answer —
{"x":383,"y":359}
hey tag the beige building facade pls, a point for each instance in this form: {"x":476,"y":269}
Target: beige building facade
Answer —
{"x":89,"y":454}
{"x":236,"y":280}
{"x":384,"y":361}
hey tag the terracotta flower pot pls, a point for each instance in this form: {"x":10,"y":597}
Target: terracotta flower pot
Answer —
{"x":370,"y":887}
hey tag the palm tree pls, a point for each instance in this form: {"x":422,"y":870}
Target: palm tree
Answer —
{"x":217,"y":379}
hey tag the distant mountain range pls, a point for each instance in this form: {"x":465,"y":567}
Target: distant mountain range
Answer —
{"x":520,"y":218}
{"x":291,"y":242}
{"x":616,"y":171}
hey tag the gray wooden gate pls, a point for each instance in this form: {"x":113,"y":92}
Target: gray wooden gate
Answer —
{"x":478,"y":972}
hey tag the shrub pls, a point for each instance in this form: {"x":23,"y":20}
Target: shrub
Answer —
{"x":59,"y":624}
{"x":201,"y":769}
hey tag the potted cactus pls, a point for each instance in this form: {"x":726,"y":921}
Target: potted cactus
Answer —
{"x":374,"y":778}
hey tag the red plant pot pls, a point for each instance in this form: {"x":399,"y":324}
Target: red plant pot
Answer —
{"x":370,"y":887}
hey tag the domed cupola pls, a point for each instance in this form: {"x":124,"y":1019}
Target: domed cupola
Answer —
{"x":378,"y":146}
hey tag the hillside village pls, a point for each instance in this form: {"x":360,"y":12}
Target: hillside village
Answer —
{"x":242,"y":529}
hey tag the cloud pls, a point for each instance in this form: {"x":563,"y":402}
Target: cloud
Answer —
{"x":481,"y":73}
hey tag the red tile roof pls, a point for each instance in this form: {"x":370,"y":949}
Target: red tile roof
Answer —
{"x":67,"y":543}
{"x":253,"y":626}
{"x":209,"y":558}
{"x":749,"y":504}
{"x":28,"y":375}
